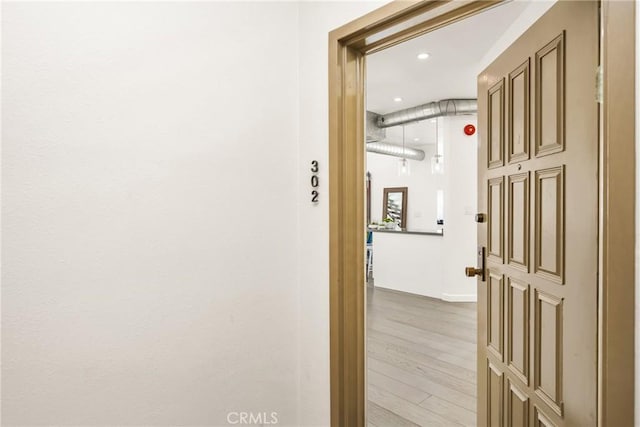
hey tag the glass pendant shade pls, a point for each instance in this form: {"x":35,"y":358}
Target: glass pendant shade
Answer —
{"x":437,"y":161}
{"x":437,"y":164}
{"x":403,"y":167}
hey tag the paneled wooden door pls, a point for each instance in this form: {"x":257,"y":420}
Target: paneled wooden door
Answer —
{"x":538,"y":186}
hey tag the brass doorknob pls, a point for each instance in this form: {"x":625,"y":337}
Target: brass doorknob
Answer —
{"x":472,"y":271}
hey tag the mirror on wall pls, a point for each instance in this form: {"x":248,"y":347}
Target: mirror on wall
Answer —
{"x":394,"y":205}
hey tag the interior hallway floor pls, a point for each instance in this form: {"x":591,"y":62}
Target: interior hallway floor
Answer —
{"x":421,"y":360}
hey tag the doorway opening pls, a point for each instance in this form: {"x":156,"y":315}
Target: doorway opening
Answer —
{"x":421,"y":162}
{"x":399,"y":22}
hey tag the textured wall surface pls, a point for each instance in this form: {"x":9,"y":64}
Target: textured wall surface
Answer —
{"x":149,"y":212}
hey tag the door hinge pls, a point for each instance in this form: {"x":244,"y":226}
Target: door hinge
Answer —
{"x":599,"y":90}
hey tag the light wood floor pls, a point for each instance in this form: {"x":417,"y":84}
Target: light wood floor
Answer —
{"x":421,"y":361}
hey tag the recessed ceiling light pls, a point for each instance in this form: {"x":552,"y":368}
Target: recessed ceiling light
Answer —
{"x":416,"y":139}
{"x":423,"y":55}
{"x":397,"y":99}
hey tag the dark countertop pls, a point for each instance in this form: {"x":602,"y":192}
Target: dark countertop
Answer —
{"x":424,"y":233}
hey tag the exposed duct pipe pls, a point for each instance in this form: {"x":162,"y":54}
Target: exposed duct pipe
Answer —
{"x":446,"y":107}
{"x":395,"y":150}
{"x":374,"y":133}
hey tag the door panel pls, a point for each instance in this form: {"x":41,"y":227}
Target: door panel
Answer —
{"x":518,"y":329}
{"x":519,"y":113}
{"x":496,"y":125}
{"x":496,"y":215}
{"x":550,"y":97}
{"x":518,"y":218}
{"x":549,"y":241}
{"x":537,"y":310}
{"x":517,"y":407}
{"x":495,"y":396}
{"x":495,"y":310}
{"x":541,"y":420}
{"x":548,"y":349}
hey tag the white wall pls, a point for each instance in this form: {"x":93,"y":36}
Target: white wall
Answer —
{"x":149,"y":213}
{"x":409,"y":263}
{"x":460,"y":203}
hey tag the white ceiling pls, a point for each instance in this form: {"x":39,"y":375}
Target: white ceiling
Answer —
{"x":451,"y":70}
{"x":417,"y":134}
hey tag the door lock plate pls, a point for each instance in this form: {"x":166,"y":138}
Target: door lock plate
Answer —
{"x":482,"y":257}
{"x":479,"y":271}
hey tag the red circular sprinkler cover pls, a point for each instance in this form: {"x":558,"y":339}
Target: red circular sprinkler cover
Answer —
{"x":469,"y":130}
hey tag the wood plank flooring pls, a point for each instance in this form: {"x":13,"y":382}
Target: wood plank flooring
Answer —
{"x":421,"y":361}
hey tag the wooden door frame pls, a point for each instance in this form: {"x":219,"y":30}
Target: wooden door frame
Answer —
{"x":403,"y":20}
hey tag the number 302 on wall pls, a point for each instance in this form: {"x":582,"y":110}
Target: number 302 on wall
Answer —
{"x":314,"y":181}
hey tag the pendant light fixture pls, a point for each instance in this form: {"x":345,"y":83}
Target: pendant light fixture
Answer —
{"x":437,"y":161}
{"x":403,"y":163}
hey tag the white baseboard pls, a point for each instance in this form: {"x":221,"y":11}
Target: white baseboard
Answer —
{"x":460,"y":297}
